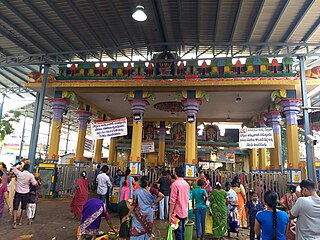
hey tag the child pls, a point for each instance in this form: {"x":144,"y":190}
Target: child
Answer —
{"x":233,"y":215}
{"x":156,"y":206}
{"x":252,"y":208}
{"x":199,"y":195}
{"x":33,"y":200}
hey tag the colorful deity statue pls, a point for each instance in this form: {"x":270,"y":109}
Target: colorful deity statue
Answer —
{"x":148,"y":131}
{"x":178,"y":131}
{"x":175,"y":158}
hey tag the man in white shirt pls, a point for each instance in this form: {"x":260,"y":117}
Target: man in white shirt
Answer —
{"x":103,"y":183}
{"x":24,"y":179}
{"x":307,"y":211}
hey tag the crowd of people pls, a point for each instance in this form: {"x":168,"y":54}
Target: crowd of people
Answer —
{"x":219,"y":208}
{"x":19,"y":190}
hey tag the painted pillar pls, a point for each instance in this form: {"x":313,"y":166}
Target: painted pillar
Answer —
{"x":191,"y":107}
{"x":112,"y":159}
{"x":162,"y":144}
{"x":262,"y":151}
{"x":253,"y":162}
{"x":58,"y":106}
{"x":273,"y":120}
{"x":83,"y":117}
{"x":97,"y":148}
{"x":138,"y":108}
{"x":290,"y":108}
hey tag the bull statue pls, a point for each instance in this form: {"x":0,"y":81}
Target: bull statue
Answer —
{"x":38,"y":77}
{"x":312,"y":73}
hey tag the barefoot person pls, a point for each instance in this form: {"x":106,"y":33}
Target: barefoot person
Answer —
{"x":24,"y":179}
{"x":81,"y":196}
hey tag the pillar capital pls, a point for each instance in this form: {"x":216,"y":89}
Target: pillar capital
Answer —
{"x":83,"y":117}
{"x":138,"y":107}
{"x":191,"y":107}
{"x":273,"y":120}
{"x":58,"y":106}
{"x":290,"y":108}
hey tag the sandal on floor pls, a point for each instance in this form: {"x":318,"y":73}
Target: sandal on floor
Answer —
{"x":14,"y":225}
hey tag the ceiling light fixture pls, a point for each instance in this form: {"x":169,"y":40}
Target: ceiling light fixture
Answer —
{"x":228,"y":118}
{"x":139,"y":14}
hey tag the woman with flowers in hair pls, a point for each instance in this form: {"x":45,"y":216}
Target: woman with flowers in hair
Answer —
{"x":218,"y":200}
{"x":80,"y":196}
{"x":287,"y":201}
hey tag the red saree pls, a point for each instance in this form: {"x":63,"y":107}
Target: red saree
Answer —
{"x":80,"y":197}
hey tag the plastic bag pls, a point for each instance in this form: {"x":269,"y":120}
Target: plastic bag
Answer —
{"x":169,"y":236}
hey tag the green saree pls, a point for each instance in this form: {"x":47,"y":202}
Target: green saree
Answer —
{"x":219,"y":213}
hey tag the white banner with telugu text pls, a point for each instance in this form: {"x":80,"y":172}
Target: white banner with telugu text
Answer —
{"x":107,"y":129}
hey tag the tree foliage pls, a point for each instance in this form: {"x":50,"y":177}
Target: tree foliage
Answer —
{"x":6,"y":123}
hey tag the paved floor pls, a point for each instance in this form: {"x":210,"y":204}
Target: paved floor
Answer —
{"x":54,"y":222}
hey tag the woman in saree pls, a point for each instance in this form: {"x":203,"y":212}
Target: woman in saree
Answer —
{"x":80,"y":196}
{"x":142,"y":220}
{"x":242,"y":199}
{"x":127,"y":184}
{"x":3,"y":195}
{"x":92,"y":213}
{"x":218,"y":200}
{"x":287,"y":201}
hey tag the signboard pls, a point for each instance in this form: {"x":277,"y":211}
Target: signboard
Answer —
{"x":135,"y":167}
{"x":226,"y":156}
{"x":88,"y":145}
{"x":190,"y":171}
{"x":147,"y":147}
{"x":256,"y":138}
{"x":113,"y":128}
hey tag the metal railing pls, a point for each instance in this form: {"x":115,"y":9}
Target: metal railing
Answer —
{"x":258,"y":182}
{"x":68,"y":176}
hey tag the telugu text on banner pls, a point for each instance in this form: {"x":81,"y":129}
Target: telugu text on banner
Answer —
{"x":256,"y":138}
{"x":147,"y":147}
{"x":113,"y":128}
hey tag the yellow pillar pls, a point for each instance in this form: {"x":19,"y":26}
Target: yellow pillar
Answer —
{"x":136,"y":142}
{"x":191,"y":143}
{"x":162,"y":144}
{"x":53,"y":150}
{"x":275,"y":153}
{"x":138,"y":109}
{"x":191,"y":107}
{"x":112,"y":159}
{"x":97,"y":151}
{"x":290,"y":108}
{"x":293,"y":146}
{"x":58,"y":107}
{"x":253,"y":164}
{"x":262,"y":159}
{"x":83,"y":117}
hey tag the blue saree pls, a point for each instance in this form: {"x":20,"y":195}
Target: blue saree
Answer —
{"x":141,"y":228}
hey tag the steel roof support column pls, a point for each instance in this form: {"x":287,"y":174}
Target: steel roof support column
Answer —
{"x":308,"y":141}
{"x":22,"y":136}
{"x":1,"y":106}
{"x":37,"y":119}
